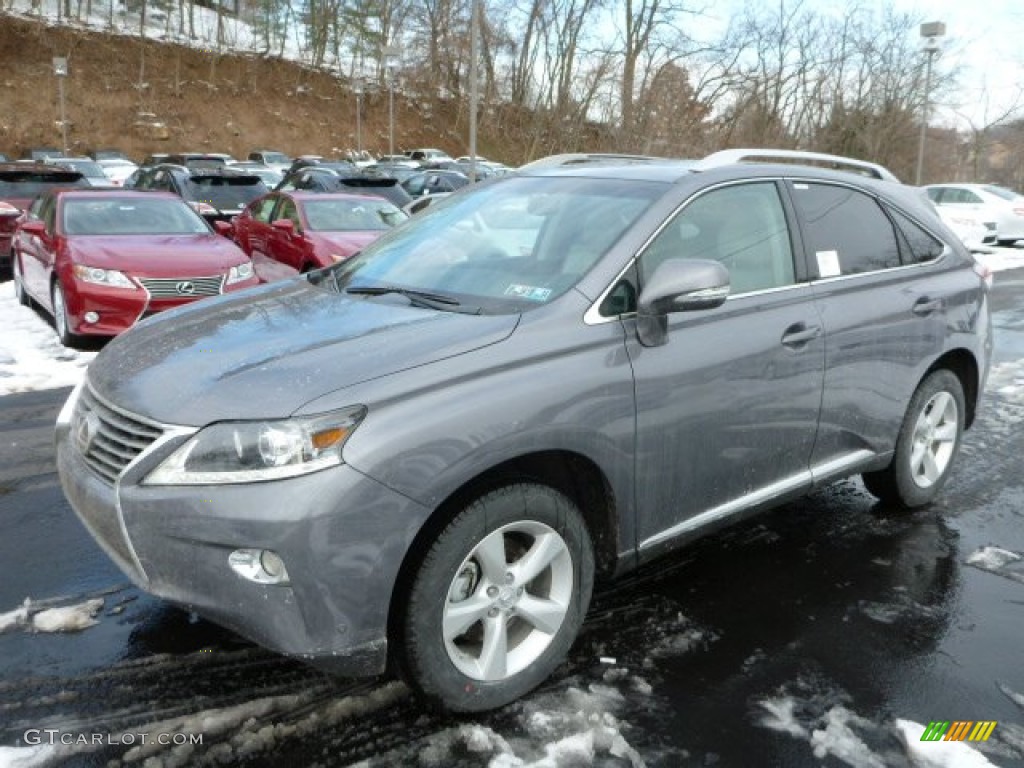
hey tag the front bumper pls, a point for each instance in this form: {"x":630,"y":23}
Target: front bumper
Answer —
{"x":341,"y":535}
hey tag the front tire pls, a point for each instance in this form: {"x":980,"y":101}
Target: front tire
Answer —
{"x":927,"y":445}
{"x":60,"y":317}
{"x":19,"y":282}
{"x":497,"y":600}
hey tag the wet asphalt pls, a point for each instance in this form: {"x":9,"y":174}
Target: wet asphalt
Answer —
{"x":835,"y":606}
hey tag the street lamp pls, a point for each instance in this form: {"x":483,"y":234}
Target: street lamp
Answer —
{"x":391,"y":54}
{"x":60,"y":69}
{"x":358,"y":88}
{"x":931,"y":32}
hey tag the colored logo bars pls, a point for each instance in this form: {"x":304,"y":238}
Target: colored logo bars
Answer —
{"x":958,"y":730}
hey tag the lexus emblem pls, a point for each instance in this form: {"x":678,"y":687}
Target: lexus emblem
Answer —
{"x":185,"y":288}
{"x":86,"y":430}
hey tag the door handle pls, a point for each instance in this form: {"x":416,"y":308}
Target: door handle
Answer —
{"x":799,"y":334}
{"x":925,"y":306}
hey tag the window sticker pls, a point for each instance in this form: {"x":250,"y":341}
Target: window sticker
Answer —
{"x":828,"y":263}
{"x":528,"y":292}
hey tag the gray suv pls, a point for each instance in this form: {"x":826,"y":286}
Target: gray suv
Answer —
{"x":420,"y":459}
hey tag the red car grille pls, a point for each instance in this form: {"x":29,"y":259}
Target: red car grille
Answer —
{"x":182,"y":287}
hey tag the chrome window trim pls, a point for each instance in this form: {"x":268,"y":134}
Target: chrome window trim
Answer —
{"x":593,"y":314}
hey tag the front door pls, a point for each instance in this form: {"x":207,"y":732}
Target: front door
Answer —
{"x":727,"y":408}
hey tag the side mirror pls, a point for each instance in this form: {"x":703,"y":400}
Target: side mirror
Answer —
{"x":678,"y":285}
{"x":223,"y":228}
{"x":34,"y":227}
{"x":284,"y":225}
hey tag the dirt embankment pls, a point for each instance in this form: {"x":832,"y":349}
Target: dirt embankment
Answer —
{"x":143,"y":96}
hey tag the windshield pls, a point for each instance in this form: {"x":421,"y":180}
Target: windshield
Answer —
{"x":85,"y":167}
{"x":510,"y":246}
{"x":225,"y":192}
{"x":351,"y":215}
{"x":28,"y":184}
{"x":131,"y":216}
{"x":276,"y":157}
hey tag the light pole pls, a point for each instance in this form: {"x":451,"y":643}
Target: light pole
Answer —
{"x":60,"y":69}
{"x":474,"y":92}
{"x":359,"y":117}
{"x":931,"y":32}
{"x":391,"y":53}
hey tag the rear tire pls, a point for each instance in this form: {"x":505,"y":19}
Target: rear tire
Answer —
{"x":497,"y":600}
{"x":927,"y":445}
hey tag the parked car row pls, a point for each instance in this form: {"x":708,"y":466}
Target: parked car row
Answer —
{"x":998,"y":209}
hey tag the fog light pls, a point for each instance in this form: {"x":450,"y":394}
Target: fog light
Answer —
{"x":262,"y":566}
{"x":91,"y":317}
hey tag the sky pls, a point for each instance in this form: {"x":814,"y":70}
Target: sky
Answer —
{"x":983,"y":47}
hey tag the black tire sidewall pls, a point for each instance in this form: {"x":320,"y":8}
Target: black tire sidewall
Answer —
{"x":19,"y":282}
{"x":67,"y":338}
{"x":425,"y":660}
{"x":910,"y":493}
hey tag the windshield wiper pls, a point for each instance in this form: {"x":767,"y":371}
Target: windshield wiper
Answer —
{"x":423,"y":298}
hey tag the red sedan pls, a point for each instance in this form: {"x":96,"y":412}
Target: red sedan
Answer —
{"x":100,"y":260}
{"x":288,"y":233}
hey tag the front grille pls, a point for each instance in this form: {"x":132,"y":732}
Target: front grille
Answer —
{"x":182,"y":287}
{"x":109,"y":439}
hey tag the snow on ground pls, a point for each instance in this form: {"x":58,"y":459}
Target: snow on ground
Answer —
{"x":71,"y":618}
{"x":31,"y":355}
{"x":1001,"y":562}
{"x":938,"y":754}
{"x":832,"y":729}
{"x":37,"y":616}
{"x":1001,"y":259}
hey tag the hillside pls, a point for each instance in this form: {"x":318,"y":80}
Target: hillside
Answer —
{"x":227,"y":103}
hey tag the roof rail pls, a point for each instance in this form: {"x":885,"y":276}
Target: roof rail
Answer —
{"x":836,"y":162}
{"x":594,"y":158}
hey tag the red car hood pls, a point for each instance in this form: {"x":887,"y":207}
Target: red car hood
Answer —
{"x":157,"y":255}
{"x":341,"y":243}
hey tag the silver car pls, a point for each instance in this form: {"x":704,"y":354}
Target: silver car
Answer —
{"x":421,"y":458}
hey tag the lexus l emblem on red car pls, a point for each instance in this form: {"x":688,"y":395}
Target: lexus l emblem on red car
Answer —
{"x":185,"y":288}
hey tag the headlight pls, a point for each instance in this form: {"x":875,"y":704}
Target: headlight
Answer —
{"x":109,"y":277}
{"x":251,"y":451}
{"x":240,"y":273}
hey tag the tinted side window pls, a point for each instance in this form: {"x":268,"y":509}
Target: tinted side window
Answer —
{"x":845,"y":230}
{"x":921,"y":245}
{"x":742,"y":226}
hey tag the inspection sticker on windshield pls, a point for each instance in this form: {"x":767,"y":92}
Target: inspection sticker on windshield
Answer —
{"x":828,"y":263}
{"x":528,"y":292}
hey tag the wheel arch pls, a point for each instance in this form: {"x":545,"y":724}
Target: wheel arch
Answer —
{"x":965,"y":367}
{"x":568,"y":472}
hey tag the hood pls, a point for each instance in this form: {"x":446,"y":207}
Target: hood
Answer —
{"x":263,"y":353}
{"x":344,"y":244}
{"x":156,"y":255}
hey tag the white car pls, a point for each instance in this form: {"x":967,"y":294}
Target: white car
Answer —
{"x":1003,"y":206}
{"x":976,"y":233}
{"x":117,"y":170}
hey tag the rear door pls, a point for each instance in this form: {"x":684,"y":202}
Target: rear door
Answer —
{"x":883,"y":305}
{"x":727,"y":408}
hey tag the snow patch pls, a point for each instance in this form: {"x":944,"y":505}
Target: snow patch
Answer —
{"x":992,"y":558}
{"x":938,"y":754}
{"x":16,"y":618}
{"x":1012,"y":695}
{"x":72,"y":618}
{"x":1001,"y":259}
{"x":837,"y":739}
{"x":40,"y":756}
{"x":779,"y":716}
{"x":31,"y":355}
